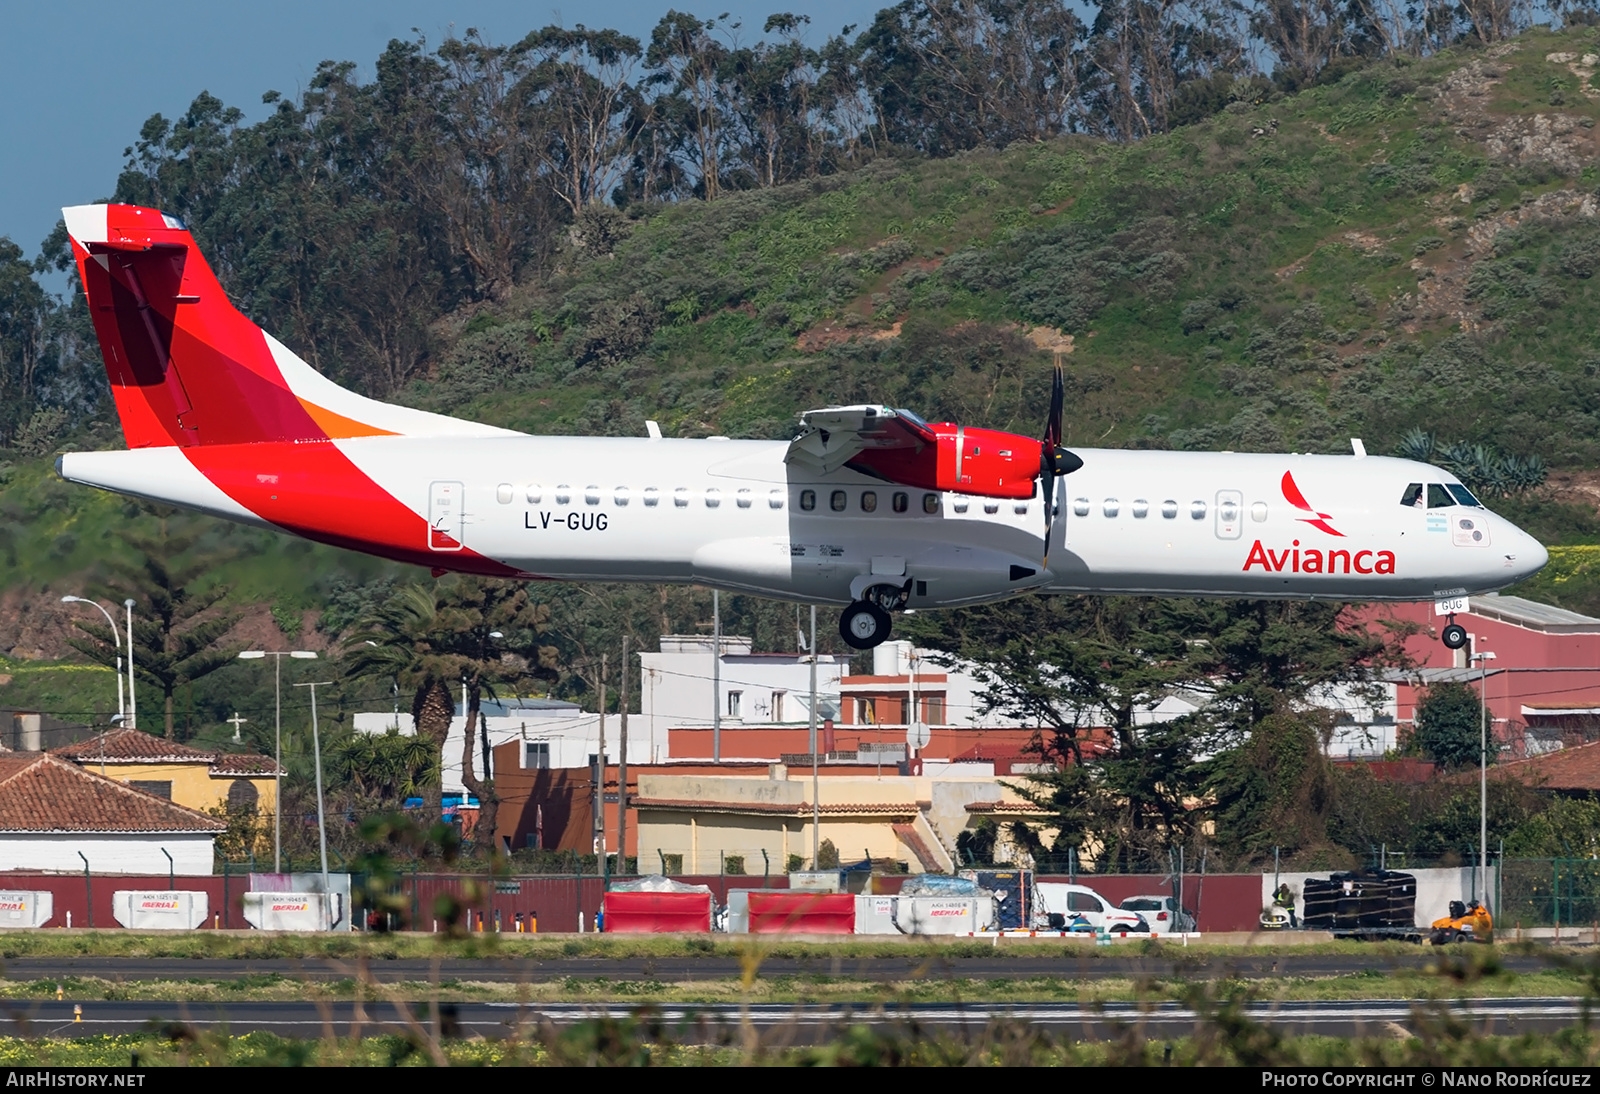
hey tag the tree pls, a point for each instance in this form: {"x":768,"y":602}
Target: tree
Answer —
{"x":476,"y":631}
{"x":24,"y":315}
{"x":1449,"y":725}
{"x":690,"y":62}
{"x":177,"y":617}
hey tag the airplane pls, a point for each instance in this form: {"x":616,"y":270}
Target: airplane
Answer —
{"x":869,"y":508}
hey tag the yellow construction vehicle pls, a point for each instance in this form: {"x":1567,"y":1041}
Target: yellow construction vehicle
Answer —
{"x":1465,"y":923}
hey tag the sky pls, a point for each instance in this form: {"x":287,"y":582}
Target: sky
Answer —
{"x":83,"y":75}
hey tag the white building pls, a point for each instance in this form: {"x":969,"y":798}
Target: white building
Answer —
{"x":52,"y":812}
{"x":675,"y":689}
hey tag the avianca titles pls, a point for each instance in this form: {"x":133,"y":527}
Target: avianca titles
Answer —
{"x":869,"y":507}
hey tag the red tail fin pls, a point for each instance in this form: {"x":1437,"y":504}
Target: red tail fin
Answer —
{"x":186,"y":368}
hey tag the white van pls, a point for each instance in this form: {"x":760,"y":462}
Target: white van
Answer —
{"x":1059,"y":906}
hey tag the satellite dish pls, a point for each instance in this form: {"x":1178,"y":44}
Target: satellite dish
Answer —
{"x":917,"y":736}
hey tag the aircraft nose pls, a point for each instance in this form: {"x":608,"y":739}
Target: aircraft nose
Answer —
{"x":1526,"y":554}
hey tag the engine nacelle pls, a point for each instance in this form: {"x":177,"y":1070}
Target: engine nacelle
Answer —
{"x":987,"y":462}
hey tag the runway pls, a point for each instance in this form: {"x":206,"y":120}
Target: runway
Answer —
{"x":513,"y":969}
{"x":798,"y":1024}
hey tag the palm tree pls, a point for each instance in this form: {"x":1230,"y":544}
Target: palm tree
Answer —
{"x":480,"y":632}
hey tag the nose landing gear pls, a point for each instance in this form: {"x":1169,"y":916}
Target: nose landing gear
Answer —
{"x":866,"y":623}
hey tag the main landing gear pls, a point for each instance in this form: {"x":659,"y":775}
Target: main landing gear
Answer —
{"x":1454,"y":635}
{"x":867,"y":623}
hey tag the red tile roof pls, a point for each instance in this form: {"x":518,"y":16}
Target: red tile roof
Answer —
{"x":40,"y":792}
{"x":1005,"y":807}
{"x":134,"y":746}
{"x":1575,"y":768}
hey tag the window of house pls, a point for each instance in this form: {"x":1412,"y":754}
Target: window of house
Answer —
{"x":161,"y":788}
{"x":735,"y":703}
{"x":933,"y":710}
{"x":243,"y":797}
{"x":777,"y":705}
{"x":536,"y":754}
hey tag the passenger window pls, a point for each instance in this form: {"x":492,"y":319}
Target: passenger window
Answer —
{"x":1111,"y":507}
{"x":503,"y":493}
{"x":808,"y":500}
{"x":591,"y":494}
{"x":1439,"y":497}
{"x":900,"y":502}
{"x":930,"y":503}
{"x":1080,"y":507}
{"x":1463,"y":496}
{"x":1021,"y":508}
{"x":713,"y":497}
{"x":535,"y":492}
{"x":959,"y":505}
{"x":1169,"y":509}
{"x":1140,"y":509}
{"x":991,"y":507}
{"x":1258,"y":511}
{"x":1412,"y":498}
{"x":743,"y":498}
{"x":622,"y":495}
{"x":563,"y":494}
{"x":1197,"y":510}
{"x":775,"y":499}
{"x":869,"y":501}
{"x":651,"y":496}
{"x":837,"y":501}
{"x":680,"y":497}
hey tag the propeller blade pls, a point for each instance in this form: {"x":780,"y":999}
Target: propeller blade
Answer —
{"x":1053,"y":460}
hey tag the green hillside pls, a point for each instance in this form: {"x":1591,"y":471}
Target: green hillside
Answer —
{"x":1411,"y":247}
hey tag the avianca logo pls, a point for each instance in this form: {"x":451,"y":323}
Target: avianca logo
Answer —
{"x":1319,"y":521}
{"x":1314,"y":560}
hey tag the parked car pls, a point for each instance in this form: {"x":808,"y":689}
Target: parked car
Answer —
{"x":1163,"y":913}
{"x":1068,"y":907}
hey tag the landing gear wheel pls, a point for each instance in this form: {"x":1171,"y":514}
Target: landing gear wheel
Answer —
{"x":1454,"y":636}
{"x":864,"y":625}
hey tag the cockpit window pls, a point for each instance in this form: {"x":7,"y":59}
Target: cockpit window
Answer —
{"x":1462,"y":495}
{"x":1439,"y":497}
{"x":1412,"y":498}
{"x":914,"y":419}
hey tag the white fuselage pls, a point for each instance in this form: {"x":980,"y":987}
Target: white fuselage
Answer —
{"x":734,"y":515}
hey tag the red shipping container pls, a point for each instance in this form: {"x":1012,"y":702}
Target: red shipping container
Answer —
{"x":802,"y":913}
{"x":657,"y":913}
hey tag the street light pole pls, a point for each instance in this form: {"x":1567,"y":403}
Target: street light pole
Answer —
{"x":316,"y":751}
{"x":133,"y":706}
{"x":277,"y":740}
{"x":116,"y":643}
{"x":1483,"y":660}
{"x":816,"y":807}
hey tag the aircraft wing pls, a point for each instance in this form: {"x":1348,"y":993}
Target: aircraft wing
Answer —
{"x":834,"y":436}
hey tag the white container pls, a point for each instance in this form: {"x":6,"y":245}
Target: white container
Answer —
{"x":943,"y":914}
{"x":875,"y":914}
{"x":160,"y":910}
{"x":25,"y":908}
{"x":292,"y":911}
